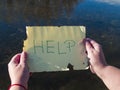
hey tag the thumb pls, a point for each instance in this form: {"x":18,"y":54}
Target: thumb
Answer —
{"x":23,"y":57}
{"x":15,"y":60}
{"x":92,"y":70}
{"x":88,"y":46}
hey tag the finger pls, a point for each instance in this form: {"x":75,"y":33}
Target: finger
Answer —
{"x":95,"y":45}
{"x":23,"y":58}
{"x":84,"y":41}
{"x":88,"y":46}
{"x":92,"y":69}
{"x":15,"y":59}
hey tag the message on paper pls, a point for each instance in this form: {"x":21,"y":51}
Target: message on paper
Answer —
{"x":53,"y":48}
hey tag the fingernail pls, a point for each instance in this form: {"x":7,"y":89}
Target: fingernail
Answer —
{"x":84,"y":40}
{"x":25,"y":54}
{"x":88,"y":40}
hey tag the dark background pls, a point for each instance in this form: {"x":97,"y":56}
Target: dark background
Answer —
{"x":102,"y":21}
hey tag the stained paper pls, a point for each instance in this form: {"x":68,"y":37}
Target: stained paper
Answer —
{"x":53,"y":48}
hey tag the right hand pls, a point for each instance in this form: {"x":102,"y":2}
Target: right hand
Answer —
{"x":95,"y":54}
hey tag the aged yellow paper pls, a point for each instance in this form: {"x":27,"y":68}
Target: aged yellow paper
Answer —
{"x":53,"y":48}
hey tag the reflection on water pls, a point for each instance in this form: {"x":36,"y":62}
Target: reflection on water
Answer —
{"x":101,"y":19}
{"x":112,"y":2}
{"x":39,"y":11}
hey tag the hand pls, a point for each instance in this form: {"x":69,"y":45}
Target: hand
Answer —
{"x":18,"y":69}
{"x":95,"y":54}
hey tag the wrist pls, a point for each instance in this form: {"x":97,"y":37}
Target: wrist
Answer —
{"x":17,"y":87}
{"x":100,"y":71}
{"x":20,"y":83}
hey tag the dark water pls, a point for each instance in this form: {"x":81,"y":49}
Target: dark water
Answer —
{"x":101,"y":18}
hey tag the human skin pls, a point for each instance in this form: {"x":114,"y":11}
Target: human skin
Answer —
{"x":18,"y":71}
{"x":110,"y":75}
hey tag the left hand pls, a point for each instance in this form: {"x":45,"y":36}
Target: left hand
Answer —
{"x":18,"y":69}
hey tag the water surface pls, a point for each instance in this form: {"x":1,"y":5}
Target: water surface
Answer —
{"x":101,"y":18}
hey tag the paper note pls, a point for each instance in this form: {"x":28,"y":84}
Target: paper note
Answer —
{"x":53,"y":48}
